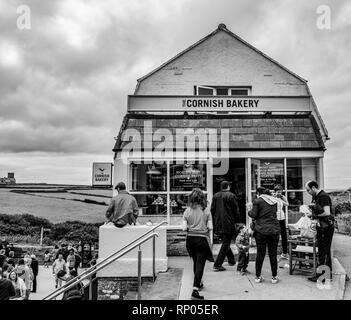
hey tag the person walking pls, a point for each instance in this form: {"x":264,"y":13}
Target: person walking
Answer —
{"x":7,"y":289}
{"x":225,"y":214}
{"x":266,"y":230}
{"x":19,"y":285}
{"x":282,"y":202}
{"x":58,"y":265}
{"x":197,"y":222}
{"x":78,"y":260}
{"x":71,"y":260}
{"x":35,"y":269}
{"x":123,"y":208}
{"x":322,"y":211}
{"x":3,"y":257}
{"x":23,"y":271}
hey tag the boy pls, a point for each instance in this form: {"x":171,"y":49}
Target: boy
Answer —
{"x":243,"y":244}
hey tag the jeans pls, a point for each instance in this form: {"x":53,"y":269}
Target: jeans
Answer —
{"x":324,"y":240}
{"x":225,"y":250}
{"x":243,"y":260}
{"x":284,"y":236}
{"x":263,"y":241}
{"x":34,"y":286}
{"x":197,"y":248}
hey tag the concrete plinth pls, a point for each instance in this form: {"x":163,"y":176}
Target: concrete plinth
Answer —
{"x":111,"y":239}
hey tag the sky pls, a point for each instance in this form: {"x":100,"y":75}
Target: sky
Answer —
{"x":64,"y":82}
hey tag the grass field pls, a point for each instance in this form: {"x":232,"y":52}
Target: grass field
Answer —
{"x":47,"y":205}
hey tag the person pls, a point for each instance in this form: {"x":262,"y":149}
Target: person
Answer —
{"x":2,"y":257}
{"x":58,"y":265}
{"x":78,"y":260}
{"x":71,"y":260}
{"x":243,"y":244}
{"x":294,"y":203}
{"x":19,"y":285}
{"x":11,"y":260}
{"x":123,"y":208}
{"x":35,"y":269}
{"x":47,"y":258}
{"x":76,"y":292}
{"x":23,"y":271}
{"x":6,"y":288}
{"x":54,"y":252}
{"x":225,"y":213}
{"x":5,"y":270}
{"x":322,"y":211}
{"x":197,"y":222}
{"x":281,"y":203}
{"x":266,"y":231}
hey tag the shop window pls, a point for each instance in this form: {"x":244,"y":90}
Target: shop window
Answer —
{"x":296,"y":199}
{"x":152,"y":204}
{"x":187,"y":176}
{"x":239,"y":92}
{"x":267,"y":173}
{"x":222,"y":91}
{"x":205,"y":91}
{"x":299,"y":171}
{"x":148,"y":177}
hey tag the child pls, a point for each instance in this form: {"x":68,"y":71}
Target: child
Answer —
{"x":46,"y":259}
{"x":243,"y":244}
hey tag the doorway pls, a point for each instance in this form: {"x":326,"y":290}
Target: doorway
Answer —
{"x":236,"y":177}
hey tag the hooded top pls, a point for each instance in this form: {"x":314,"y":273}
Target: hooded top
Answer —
{"x":264,"y":212}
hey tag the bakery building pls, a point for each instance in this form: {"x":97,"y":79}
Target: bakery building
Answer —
{"x":220,"y":109}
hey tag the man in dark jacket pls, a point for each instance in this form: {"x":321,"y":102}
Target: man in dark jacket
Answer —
{"x":225,"y":213}
{"x":7,"y":289}
{"x":35,"y":268}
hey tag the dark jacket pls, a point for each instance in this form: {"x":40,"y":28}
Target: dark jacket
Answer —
{"x":225,"y":212}
{"x":35,"y":266}
{"x":265,"y":215}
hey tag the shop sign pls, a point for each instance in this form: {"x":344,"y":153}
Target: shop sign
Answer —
{"x":102,"y":174}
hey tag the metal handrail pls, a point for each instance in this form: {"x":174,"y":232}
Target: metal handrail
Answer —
{"x":113,"y":254}
{"x":109,"y":257}
{"x":101,"y":266}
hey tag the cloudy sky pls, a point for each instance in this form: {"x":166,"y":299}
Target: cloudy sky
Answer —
{"x":64,"y":82}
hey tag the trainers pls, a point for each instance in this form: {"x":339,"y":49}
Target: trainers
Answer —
{"x":275,"y":280}
{"x":259,"y":279}
{"x":201,"y":286}
{"x":284,"y":256}
{"x":221,"y":268}
{"x":196,"y":296}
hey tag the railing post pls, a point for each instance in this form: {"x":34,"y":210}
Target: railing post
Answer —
{"x":90,"y":288}
{"x":153,"y":259}
{"x":139,"y":273}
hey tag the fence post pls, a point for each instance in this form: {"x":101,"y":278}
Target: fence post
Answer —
{"x":139,"y":273}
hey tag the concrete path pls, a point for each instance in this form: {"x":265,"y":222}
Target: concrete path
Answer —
{"x":46,"y":284}
{"x":342,"y":251}
{"x":229,"y":285}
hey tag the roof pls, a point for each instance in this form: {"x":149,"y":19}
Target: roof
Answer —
{"x":246,"y":132}
{"x":221,"y":27}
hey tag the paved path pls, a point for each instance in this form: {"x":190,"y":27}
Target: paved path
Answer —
{"x":45,"y":284}
{"x":229,"y":285}
{"x":342,"y":251}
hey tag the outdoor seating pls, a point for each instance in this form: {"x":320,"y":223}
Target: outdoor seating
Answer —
{"x":303,"y":252}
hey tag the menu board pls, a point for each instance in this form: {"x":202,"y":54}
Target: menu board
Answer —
{"x":271,"y":174}
{"x":186,"y":177}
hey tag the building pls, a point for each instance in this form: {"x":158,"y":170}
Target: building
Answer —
{"x":221,"y":109}
{"x":10,"y":179}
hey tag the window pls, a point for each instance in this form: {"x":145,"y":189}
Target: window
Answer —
{"x":300,"y":171}
{"x":267,"y":173}
{"x":185,"y":177}
{"x":148,"y":177}
{"x":223,"y":91}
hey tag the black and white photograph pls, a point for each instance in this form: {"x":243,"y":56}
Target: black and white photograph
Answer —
{"x":187,"y":151}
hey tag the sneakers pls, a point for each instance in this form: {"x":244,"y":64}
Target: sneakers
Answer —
{"x":201,"y":286}
{"x":259,"y":279}
{"x":275,"y":280}
{"x":284,"y":256}
{"x":196,"y":296}
{"x":221,"y":268}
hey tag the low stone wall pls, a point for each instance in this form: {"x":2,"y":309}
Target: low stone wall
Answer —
{"x":344,"y":224}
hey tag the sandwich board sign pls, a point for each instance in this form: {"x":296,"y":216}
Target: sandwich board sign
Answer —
{"x":102,"y":174}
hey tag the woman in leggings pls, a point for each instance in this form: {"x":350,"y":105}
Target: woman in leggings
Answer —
{"x":263,"y":211}
{"x":197,"y":221}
